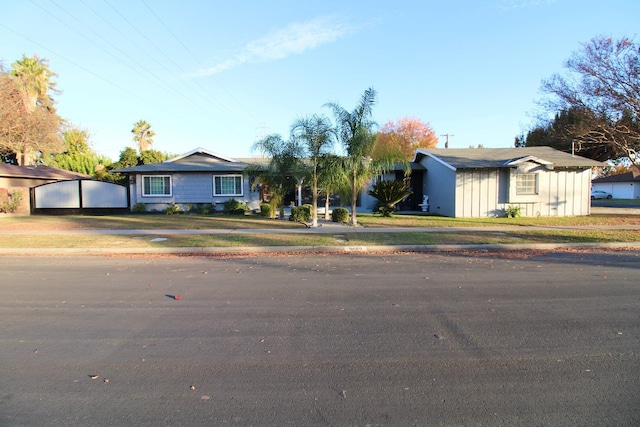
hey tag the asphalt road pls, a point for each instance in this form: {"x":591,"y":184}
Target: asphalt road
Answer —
{"x":403,"y":339}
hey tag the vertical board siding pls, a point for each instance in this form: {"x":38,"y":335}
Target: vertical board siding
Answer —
{"x":477,"y":193}
{"x":485,"y":193}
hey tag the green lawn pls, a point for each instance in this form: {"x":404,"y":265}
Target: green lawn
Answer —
{"x":221,"y":221}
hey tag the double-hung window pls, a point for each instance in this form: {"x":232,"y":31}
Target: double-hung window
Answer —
{"x":527,"y":184}
{"x":156,"y":186}
{"x":227,"y":185}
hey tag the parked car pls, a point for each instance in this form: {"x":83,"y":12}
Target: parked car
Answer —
{"x":599,"y":194}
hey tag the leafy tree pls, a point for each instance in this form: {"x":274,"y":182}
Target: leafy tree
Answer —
{"x":77,"y":155}
{"x":284,"y":164}
{"x":602,"y":86}
{"x":403,"y":137}
{"x":560,"y":132}
{"x":143,"y":135}
{"x":316,"y":135}
{"x":29,"y":125}
{"x":389,"y":193}
{"x":151,"y":156}
{"x":128,"y":158}
{"x":355,"y":130}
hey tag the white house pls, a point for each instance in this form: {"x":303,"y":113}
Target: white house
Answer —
{"x":622,"y":186}
{"x":481,"y":182}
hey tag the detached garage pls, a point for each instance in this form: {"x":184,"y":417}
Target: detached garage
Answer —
{"x":79,"y":195}
{"x":22,"y":179}
{"x":622,"y":186}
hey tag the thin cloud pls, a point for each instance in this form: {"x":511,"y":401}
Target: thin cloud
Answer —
{"x":294,"y":39}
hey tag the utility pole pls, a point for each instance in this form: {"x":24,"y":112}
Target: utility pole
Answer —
{"x":446,"y":143}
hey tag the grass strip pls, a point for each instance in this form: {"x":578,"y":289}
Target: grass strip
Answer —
{"x":343,"y":239}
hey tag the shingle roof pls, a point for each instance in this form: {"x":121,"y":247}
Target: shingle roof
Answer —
{"x":198,"y":160}
{"x":482,"y":158}
{"x":633,"y":175}
{"x":39,"y":172}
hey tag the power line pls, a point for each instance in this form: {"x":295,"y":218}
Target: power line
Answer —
{"x":169,"y":59}
{"x":194,"y":57}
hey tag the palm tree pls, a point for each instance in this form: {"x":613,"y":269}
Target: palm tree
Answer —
{"x":34,"y":78}
{"x":332,"y":179}
{"x":285,"y":163}
{"x":143,"y":135}
{"x":37,"y":123}
{"x":316,"y":134}
{"x":356,"y":133}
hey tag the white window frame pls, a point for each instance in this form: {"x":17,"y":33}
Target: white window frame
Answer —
{"x":148,"y":178}
{"x":235,"y":177}
{"x":528,"y":188}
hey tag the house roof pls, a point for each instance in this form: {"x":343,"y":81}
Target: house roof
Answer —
{"x":39,"y":172}
{"x":632,"y":176}
{"x":485,"y":158}
{"x":197,"y":160}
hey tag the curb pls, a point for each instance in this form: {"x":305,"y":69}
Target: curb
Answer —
{"x":314,"y":249}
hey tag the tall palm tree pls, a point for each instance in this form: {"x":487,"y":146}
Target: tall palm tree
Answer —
{"x":143,"y":135}
{"x":38,"y":124}
{"x":316,"y":134}
{"x":355,"y":130}
{"x":35,"y":79}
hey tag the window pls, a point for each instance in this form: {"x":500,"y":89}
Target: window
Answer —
{"x":526,"y":183}
{"x":156,"y":186}
{"x":227,"y":185}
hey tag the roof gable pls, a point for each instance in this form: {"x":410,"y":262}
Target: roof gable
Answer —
{"x":203,"y":155}
{"x":196,"y":160}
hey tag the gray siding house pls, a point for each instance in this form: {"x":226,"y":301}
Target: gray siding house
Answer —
{"x":481,"y":182}
{"x":197,"y":177}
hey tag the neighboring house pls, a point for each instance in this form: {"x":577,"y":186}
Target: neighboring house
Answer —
{"x":23,"y":178}
{"x":481,"y":182}
{"x":197,"y":177}
{"x":622,"y":186}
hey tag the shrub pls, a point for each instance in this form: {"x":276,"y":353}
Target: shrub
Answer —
{"x":340,"y":215}
{"x":233,"y":206}
{"x":172,"y":209}
{"x":10,"y":202}
{"x":205,"y":209}
{"x":384,"y":210}
{"x":200,"y":208}
{"x":301,"y":213}
{"x":266,"y":210}
{"x":512,"y":211}
{"x":389,"y":193}
{"x":139,"y":208}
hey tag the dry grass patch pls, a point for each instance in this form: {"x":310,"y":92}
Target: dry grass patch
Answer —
{"x":313,"y":239}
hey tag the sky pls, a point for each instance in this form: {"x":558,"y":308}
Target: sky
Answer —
{"x":221,"y":75}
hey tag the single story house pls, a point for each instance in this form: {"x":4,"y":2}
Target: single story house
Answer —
{"x":474,"y":182}
{"x":481,"y":182}
{"x":24,"y":178}
{"x":622,"y":186}
{"x":194,"y":178}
